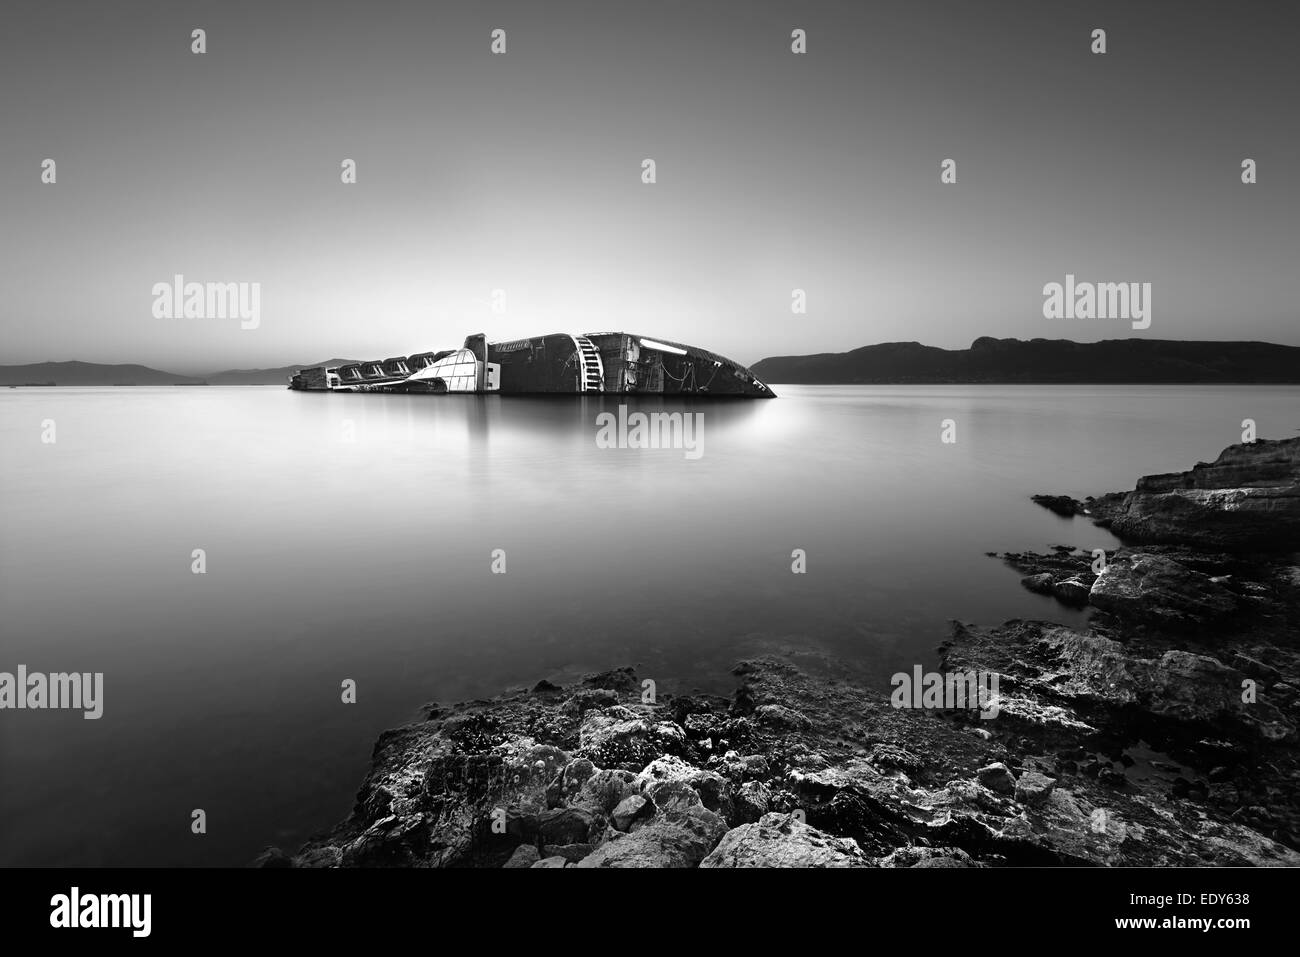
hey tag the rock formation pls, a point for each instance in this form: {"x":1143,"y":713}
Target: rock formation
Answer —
{"x":1161,"y":733}
{"x":1248,"y":499}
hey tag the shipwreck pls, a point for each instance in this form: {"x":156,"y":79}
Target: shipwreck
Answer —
{"x":615,"y":362}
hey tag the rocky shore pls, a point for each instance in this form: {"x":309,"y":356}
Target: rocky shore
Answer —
{"x":1163,"y":733}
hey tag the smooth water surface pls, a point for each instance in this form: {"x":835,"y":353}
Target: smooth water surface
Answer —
{"x":370,"y":559}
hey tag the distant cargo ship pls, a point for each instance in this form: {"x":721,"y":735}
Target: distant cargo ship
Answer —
{"x":616,"y":362}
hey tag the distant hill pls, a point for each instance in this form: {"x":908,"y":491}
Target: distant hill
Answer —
{"x":1042,"y":361}
{"x":278,"y":376}
{"x":97,"y":374}
{"x":88,"y":373}
{"x":987,"y":360}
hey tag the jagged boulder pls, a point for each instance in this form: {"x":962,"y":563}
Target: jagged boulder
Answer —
{"x":525,"y":855}
{"x":928,"y":857}
{"x":1062,"y":505}
{"x":1157,"y":590}
{"x":782,"y":840}
{"x":1033,"y":788}
{"x":606,"y":789}
{"x":1079,"y":681}
{"x":781,"y":716}
{"x":1247,"y":498}
{"x":997,"y":777}
{"x":714,"y":790}
{"x":752,"y":801}
{"x":630,"y":810}
{"x":569,"y":825}
{"x":676,"y":837}
{"x":619,"y":737}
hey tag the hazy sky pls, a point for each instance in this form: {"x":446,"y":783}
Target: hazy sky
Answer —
{"x":522,"y":172}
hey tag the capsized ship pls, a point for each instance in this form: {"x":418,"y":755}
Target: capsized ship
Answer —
{"x":618,"y":362}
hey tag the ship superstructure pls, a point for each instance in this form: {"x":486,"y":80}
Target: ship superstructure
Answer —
{"x":597,"y":362}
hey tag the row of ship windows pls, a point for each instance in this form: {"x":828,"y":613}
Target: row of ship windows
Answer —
{"x":444,"y":368}
{"x":455,"y":369}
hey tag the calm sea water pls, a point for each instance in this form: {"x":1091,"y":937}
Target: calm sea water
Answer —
{"x":371,"y":560}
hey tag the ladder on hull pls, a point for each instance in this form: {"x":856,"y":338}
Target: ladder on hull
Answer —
{"x":591,"y":371}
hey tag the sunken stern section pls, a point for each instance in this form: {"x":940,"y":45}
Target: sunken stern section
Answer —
{"x":563,"y":363}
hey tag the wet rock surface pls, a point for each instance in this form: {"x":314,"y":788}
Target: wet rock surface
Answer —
{"x":497,"y":784}
{"x":1246,"y":499}
{"x":782,"y":840}
{"x":1162,"y":732}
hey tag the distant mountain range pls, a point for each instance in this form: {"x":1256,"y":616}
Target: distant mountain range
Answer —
{"x":987,"y":360}
{"x":1060,"y":361}
{"x":94,"y":374}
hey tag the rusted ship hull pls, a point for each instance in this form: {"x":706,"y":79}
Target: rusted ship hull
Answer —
{"x":559,"y":363}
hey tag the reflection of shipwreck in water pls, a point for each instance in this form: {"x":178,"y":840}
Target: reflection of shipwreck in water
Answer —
{"x":560,"y":363}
